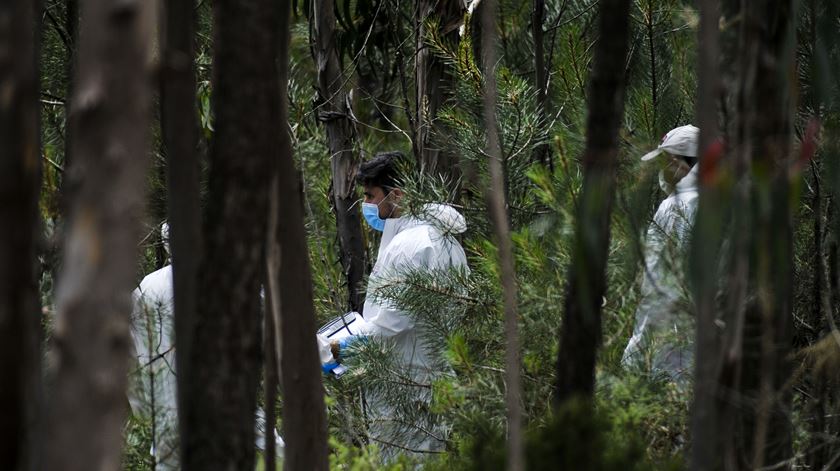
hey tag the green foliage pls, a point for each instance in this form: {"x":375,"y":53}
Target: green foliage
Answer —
{"x":138,"y":443}
{"x":638,"y":422}
{"x":574,"y":435}
{"x":564,"y":439}
{"x":367,"y":458}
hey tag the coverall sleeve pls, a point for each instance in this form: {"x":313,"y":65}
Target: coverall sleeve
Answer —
{"x":382,"y":318}
{"x":387,"y":320}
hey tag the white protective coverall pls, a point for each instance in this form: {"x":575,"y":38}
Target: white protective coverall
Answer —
{"x":408,"y":243}
{"x":664,"y":320}
{"x":152,"y":386}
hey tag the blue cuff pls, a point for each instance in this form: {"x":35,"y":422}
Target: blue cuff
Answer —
{"x":328,"y":367}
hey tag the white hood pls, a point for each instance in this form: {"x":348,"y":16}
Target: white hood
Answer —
{"x":444,"y":217}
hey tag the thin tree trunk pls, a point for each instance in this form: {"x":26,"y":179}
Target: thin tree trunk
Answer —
{"x":580,"y":335}
{"x":225,"y":360}
{"x":820,"y":35}
{"x":769,"y":47}
{"x":71,"y":25}
{"x":304,"y":415}
{"x":497,"y":206}
{"x":820,"y":302}
{"x":180,"y":135}
{"x":333,"y":112}
{"x":111,"y":117}
{"x":739,"y":308}
{"x":20,"y":182}
{"x":433,"y":81}
{"x":706,"y":419}
{"x":271,"y":369}
{"x":654,"y":86}
{"x":542,"y":153}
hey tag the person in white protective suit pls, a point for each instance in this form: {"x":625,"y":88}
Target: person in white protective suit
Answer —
{"x":408,"y":243}
{"x":152,"y":382}
{"x":663,"y":334}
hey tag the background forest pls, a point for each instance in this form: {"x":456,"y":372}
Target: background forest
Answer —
{"x":378,"y":75}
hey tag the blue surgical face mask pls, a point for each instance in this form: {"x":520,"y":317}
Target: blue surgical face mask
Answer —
{"x":371,"y":213}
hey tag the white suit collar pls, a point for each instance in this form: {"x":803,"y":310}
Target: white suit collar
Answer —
{"x":688,"y":182}
{"x":394,"y":226}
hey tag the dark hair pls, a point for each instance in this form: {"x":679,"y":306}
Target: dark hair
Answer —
{"x":382,"y":170}
{"x":689,"y":160}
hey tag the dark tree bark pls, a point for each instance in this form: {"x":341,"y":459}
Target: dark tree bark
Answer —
{"x":496,"y":204}
{"x":180,"y":136}
{"x":709,"y":422}
{"x":542,"y":153}
{"x":304,"y":415}
{"x":820,"y":35}
{"x":20,"y":182}
{"x":434,"y":81}
{"x":768,"y":42}
{"x":71,"y":27}
{"x":110,"y":121}
{"x":226,"y":348}
{"x":333,"y":112}
{"x":580,"y":335}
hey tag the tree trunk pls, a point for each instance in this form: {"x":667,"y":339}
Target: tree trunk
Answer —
{"x":110,"y":121}
{"x":333,"y":112}
{"x":580,"y":335}
{"x":225,"y":359}
{"x":542,"y":152}
{"x":434,"y":82}
{"x":769,"y":47}
{"x":304,"y":415}
{"x":20,"y":182}
{"x":180,"y":135}
{"x":496,"y":204}
{"x":707,"y":419}
{"x":71,"y":26}
{"x":271,"y":372}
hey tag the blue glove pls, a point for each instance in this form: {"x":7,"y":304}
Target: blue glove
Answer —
{"x":328,"y":367}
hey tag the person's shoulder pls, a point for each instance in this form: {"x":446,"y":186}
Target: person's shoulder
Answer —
{"x":414,"y":238}
{"x":157,"y":284}
{"x":688,"y":196}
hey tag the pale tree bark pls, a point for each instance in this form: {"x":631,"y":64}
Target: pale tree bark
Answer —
{"x":110,"y":119}
{"x":272,"y":335}
{"x":180,"y":137}
{"x":434,"y":81}
{"x":707,"y":418}
{"x":333,"y":111}
{"x":225,"y":359}
{"x":271,"y":372}
{"x":304,"y":415}
{"x":580,"y":335}
{"x":20,"y":182}
{"x":497,"y":207}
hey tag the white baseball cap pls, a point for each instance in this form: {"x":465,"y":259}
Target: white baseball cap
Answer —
{"x":678,"y":141}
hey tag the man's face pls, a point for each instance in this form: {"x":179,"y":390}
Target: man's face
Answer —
{"x":386,"y":200}
{"x":674,"y":168}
